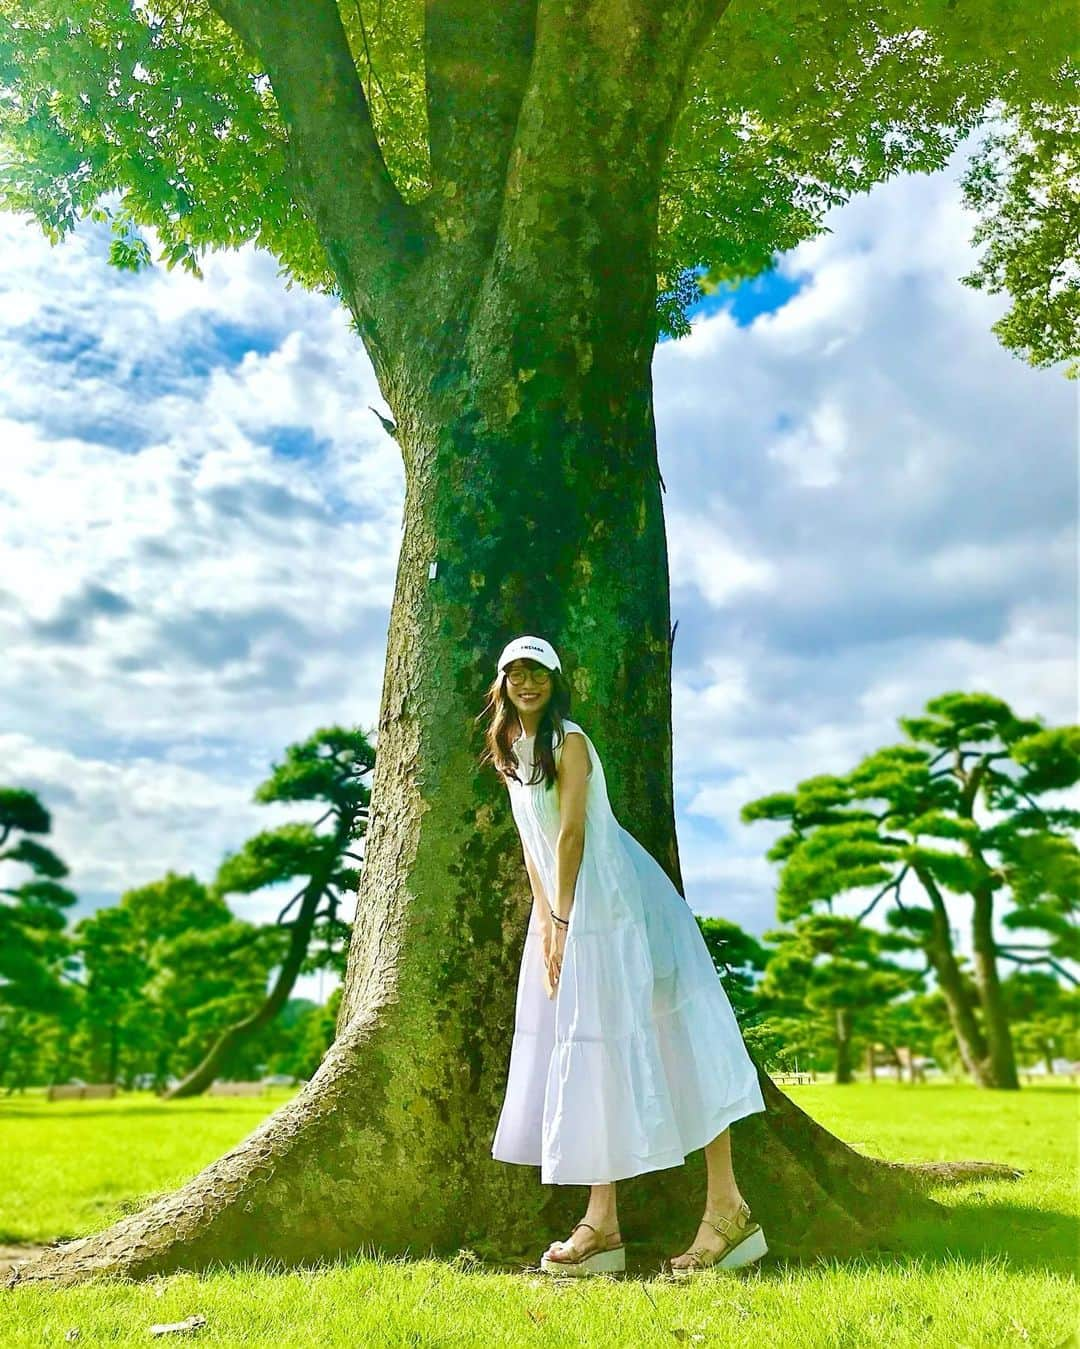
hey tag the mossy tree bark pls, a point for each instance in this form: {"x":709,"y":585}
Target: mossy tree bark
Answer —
{"x":511,"y":322}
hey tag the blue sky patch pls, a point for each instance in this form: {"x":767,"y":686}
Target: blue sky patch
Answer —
{"x":224,"y":342}
{"x":295,"y":442}
{"x":747,"y":299}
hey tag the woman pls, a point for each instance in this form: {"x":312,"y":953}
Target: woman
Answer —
{"x":626,"y":1054}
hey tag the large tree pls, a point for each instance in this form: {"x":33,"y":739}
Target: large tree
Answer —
{"x":512,"y":198}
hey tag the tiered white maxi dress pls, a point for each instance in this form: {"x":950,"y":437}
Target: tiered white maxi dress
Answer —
{"x":638,"y":1059}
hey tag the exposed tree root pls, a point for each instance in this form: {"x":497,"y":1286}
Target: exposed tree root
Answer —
{"x":954,"y":1173}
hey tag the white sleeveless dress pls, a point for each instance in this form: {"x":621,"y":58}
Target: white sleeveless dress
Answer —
{"x":638,"y":1059}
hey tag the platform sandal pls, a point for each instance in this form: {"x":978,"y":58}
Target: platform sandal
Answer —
{"x":745,"y":1243}
{"x":609,"y":1260}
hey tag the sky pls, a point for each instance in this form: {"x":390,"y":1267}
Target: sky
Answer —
{"x":869,"y":502}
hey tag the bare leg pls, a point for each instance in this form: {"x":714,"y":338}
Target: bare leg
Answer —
{"x":722,"y":1197}
{"x":722,"y":1191}
{"x":602,"y":1214}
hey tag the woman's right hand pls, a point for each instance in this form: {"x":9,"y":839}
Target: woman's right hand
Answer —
{"x":547,"y":945}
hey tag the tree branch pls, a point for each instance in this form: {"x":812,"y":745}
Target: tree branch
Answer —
{"x":582,"y":184}
{"x":298,"y":896}
{"x":594,"y":63}
{"x":476,"y":68}
{"x":893,"y":884}
{"x":370,"y":234}
{"x":1038,"y":960}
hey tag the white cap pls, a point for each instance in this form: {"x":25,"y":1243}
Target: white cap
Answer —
{"x":530,"y":648}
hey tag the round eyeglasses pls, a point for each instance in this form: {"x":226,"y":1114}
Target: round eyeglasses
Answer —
{"x":517,"y":676}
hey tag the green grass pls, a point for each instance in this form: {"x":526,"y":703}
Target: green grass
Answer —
{"x":1002,"y":1272}
{"x":78,"y":1164}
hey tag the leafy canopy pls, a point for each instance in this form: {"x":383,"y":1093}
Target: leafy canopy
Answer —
{"x":157,"y":115}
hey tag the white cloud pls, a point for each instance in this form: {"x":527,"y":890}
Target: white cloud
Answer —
{"x":701,"y":553}
{"x":908,"y":489}
{"x":815,"y":451}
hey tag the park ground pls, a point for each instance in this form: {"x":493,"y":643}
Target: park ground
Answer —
{"x":1003,"y":1272}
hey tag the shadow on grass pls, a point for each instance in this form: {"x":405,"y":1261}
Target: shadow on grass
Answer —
{"x":971,"y":1229}
{"x":1023,"y":1240}
{"x":1039,"y":1240}
{"x":1043,"y":1242}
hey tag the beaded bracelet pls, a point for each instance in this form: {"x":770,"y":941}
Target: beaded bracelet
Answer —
{"x":563,"y":922}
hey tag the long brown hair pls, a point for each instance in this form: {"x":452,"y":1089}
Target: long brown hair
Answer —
{"x":504,"y":723}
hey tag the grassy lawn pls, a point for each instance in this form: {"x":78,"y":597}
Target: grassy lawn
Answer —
{"x":77,"y":1164}
{"x":1002,"y":1272}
